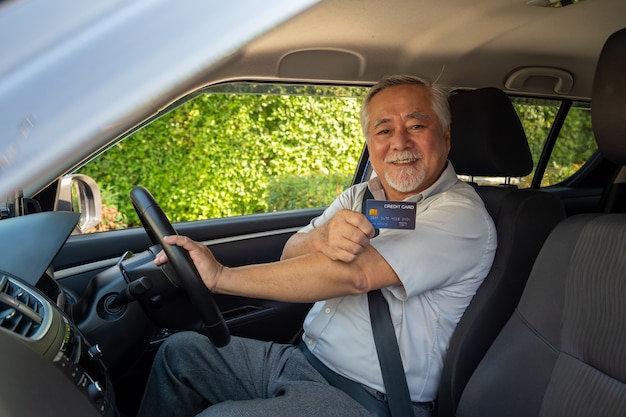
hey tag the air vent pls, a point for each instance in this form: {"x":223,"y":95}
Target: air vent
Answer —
{"x":21,"y":311}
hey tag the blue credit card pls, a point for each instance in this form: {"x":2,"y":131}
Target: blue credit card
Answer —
{"x":391,"y":214}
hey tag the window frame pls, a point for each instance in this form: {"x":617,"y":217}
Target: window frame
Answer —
{"x":363,"y":171}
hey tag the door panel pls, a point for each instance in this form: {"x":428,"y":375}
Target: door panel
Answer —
{"x":578,"y":200}
{"x":234,"y":241}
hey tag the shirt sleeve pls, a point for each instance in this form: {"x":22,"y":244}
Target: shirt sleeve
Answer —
{"x":449,"y":245}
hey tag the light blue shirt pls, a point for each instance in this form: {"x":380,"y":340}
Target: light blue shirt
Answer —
{"x":441,"y":264}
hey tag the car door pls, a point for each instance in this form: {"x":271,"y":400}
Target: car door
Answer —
{"x":234,"y":241}
{"x":238,"y":167}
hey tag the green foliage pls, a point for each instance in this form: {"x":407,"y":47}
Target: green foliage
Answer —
{"x":232,"y":154}
{"x":574,"y":145}
{"x":316,"y":190}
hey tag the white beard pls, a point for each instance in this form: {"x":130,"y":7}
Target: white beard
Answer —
{"x":405,"y":179}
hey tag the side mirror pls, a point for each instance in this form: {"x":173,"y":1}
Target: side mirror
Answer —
{"x":79,"y":193}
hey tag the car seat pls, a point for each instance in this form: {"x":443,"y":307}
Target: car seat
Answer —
{"x":563,"y":351}
{"x":487,"y":139}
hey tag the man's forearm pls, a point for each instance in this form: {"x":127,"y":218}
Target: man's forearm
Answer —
{"x":306,"y":278}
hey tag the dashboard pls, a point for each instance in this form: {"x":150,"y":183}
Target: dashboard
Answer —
{"x":48,"y":366}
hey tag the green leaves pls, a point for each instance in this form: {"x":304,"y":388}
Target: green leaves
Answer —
{"x":575,"y":143}
{"x":232,"y":154}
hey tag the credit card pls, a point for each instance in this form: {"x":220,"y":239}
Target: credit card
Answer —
{"x":391,"y":214}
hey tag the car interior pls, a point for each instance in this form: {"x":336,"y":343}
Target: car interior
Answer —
{"x":83,"y":314}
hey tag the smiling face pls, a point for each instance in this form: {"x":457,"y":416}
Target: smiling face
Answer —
{"x":407,"y":146}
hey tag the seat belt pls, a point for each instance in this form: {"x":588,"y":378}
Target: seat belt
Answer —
{"x":394,"y":378}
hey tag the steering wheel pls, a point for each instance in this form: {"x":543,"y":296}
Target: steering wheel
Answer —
{"x":157,"y":225}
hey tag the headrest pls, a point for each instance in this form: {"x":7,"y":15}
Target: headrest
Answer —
{"x":487,"y":137}
{"x":608,"y":99}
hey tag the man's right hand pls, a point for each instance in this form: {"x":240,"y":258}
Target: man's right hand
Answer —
{"x":204,"y":261}
{"x":345,"y":237}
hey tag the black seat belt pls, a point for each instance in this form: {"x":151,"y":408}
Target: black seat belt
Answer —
{"x":394,"y":378}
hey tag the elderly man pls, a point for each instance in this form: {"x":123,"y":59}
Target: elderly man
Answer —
{"x":428,"y":275}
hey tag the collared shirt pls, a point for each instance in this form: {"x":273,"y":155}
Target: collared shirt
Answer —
{"x":441,"y":264}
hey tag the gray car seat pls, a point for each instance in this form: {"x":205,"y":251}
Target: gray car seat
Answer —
{"x":488,"y":140}
{"x":563,"y":351}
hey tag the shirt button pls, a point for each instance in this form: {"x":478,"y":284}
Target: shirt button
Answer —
{"x":309,"y":342}
{"x":327,"y":310}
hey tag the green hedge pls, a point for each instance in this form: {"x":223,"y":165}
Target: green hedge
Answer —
{"x":225,"y":155}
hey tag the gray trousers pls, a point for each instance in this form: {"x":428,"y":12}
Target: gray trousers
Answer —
{"x":191,"y":377}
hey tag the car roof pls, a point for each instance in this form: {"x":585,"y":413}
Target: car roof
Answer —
{"x":468,"y":44}
{"x":72,"y":86}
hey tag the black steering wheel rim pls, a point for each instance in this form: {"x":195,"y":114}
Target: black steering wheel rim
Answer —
{"x":157,"y":226}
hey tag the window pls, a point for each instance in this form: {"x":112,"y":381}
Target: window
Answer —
{"x":574,"y":145}
{"x":237,"y":149}
{"x":246,"y":148}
